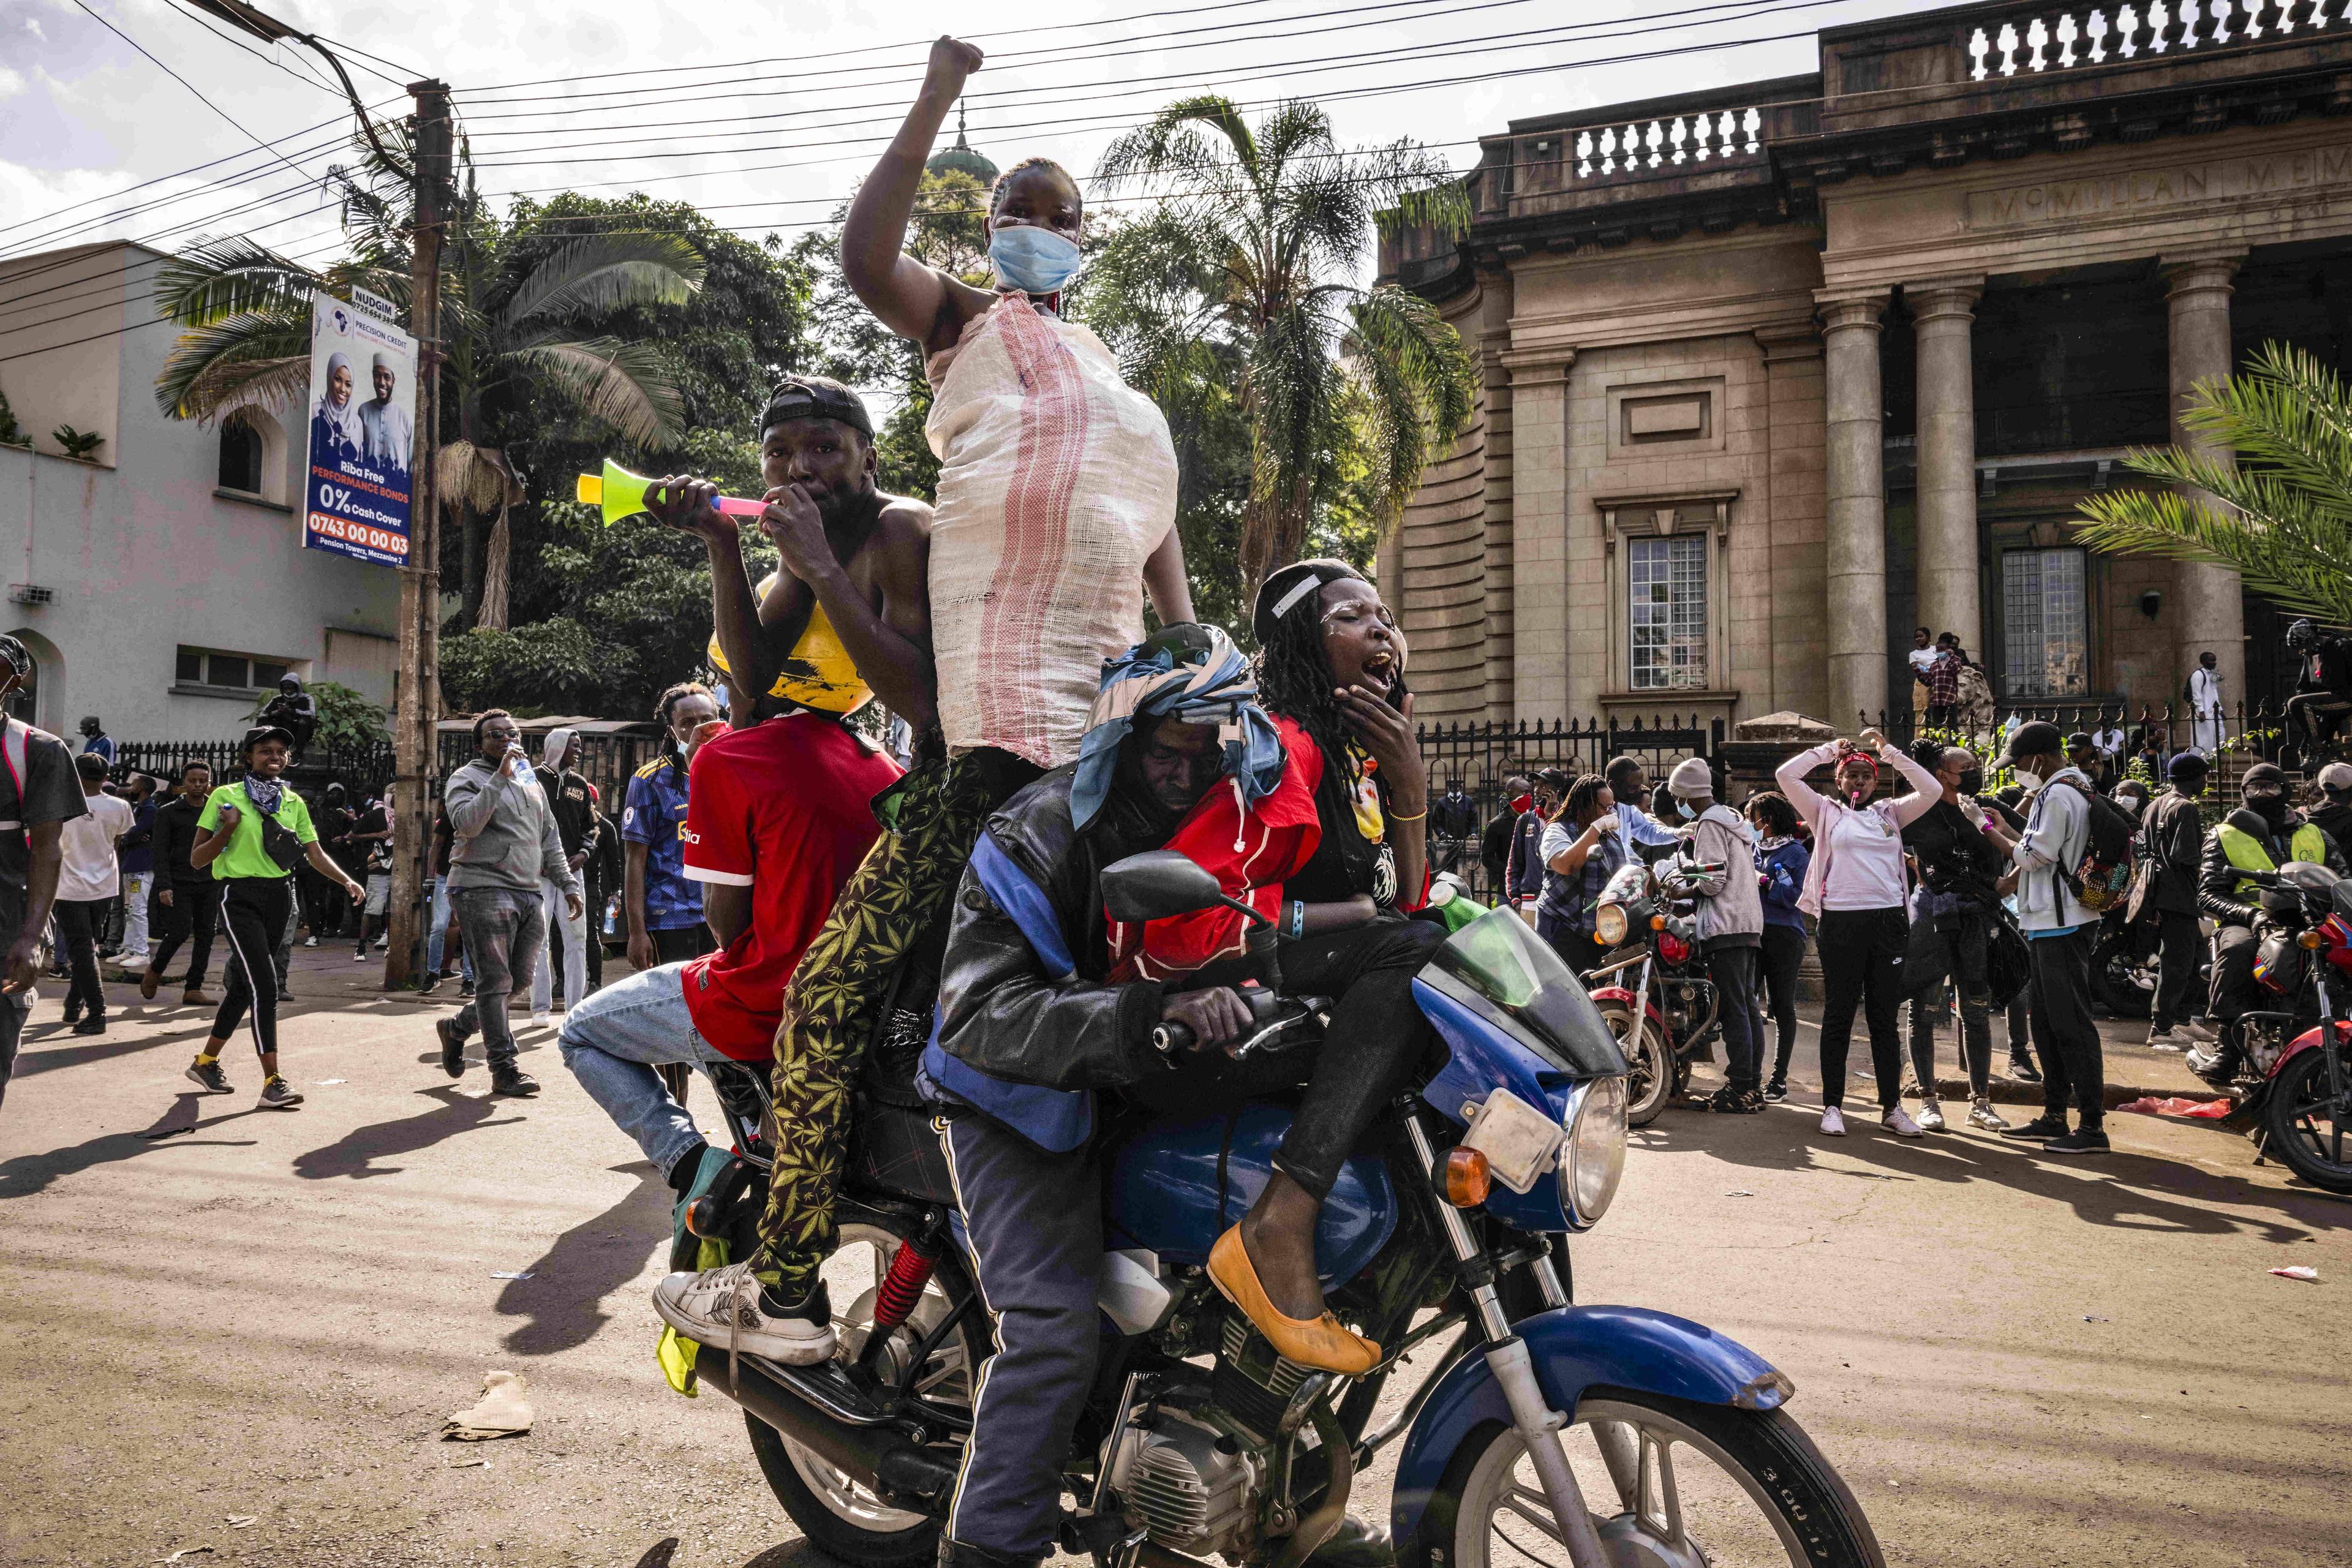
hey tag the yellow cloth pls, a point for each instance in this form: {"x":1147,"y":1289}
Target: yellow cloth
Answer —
{"x":1370,"y":820}
{"x":818,"y":673}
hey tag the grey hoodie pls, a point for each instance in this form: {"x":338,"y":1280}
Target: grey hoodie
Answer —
{"x":1730,"y":903}
{"x":503,"y":833}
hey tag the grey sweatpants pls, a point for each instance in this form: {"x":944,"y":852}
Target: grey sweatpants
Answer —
{"x":1034,"y":1224}
{"x":505,"y":934}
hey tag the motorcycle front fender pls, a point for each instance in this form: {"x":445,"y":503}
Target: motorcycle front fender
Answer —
{"x":2309,"y":1041}
{"x":1619,"y":993}
{"x":1576,"y":1349}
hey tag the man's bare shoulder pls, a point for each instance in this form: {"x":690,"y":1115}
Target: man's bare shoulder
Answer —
{"x":904,"y":519}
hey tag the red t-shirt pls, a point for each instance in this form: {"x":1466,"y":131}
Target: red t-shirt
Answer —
{"x":785,"y":808}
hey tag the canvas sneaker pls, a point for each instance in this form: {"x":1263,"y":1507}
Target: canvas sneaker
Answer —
{"x":721,"y":1307}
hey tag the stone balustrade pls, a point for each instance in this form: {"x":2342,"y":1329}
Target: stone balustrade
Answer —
{"x":2043,"y":38}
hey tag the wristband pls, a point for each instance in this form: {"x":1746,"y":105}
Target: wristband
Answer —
{"x":1297,"y":918}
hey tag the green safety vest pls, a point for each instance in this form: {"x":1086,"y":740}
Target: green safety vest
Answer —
{"x":2246,"y":853}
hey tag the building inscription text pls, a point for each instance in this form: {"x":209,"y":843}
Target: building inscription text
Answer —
{"x":2143,"y":190}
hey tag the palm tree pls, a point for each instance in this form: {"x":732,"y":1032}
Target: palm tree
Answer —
{"x":1277,"y":219}
{"x":2280,"y":511}
{"x":515,"y":310}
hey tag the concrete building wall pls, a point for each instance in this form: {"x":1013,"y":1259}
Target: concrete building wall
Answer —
{"x":142,"y":552}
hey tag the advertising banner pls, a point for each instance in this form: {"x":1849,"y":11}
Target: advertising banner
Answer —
{"x":363,"y":435}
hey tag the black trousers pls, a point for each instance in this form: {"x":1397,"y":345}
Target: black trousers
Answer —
{"x":254,"y":911}
{"x":191,"y":917}
{"x":1733,"y":968}
{"x":1862,"y":966}
{"x":81,"y":921}
{"x":2065,"y":1037}
{"x":677,"y":945}
{"x":1783,"y":954}
{"x":1949,"y":947}
{"x":1377,"y":1040}
{"x":2178,"y":942}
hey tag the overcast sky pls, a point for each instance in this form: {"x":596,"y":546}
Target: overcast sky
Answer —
{"x":768,"y":126}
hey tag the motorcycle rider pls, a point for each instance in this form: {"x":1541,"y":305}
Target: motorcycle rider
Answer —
{"x":2171,"y":835}
{"x":1730,"y":919}
{"x":2262,"y":835}
{"x":1034,"y":1016}
{"x":2333,"y":814}
{"x":2322,"y":699}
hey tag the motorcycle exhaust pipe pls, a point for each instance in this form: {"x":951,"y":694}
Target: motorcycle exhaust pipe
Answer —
{"x":901,"y":1474}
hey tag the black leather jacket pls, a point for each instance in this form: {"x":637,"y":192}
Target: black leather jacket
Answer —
{"x":2216,"y":879}
{"x":1002,"y":1010}
{"x":175,"y":839}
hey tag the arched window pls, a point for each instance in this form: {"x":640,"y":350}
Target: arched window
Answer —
{"x":240,"y":457}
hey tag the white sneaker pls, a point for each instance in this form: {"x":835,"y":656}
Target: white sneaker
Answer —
{"x":538,"y":1020}
{"x":720,"y":1308}
{"x":1833,"y":1121}
{"x":1899,"y":1123}
{"x":1982,"y":1114}
{"x":1931,"y":1114}
{"x":310,"y":941}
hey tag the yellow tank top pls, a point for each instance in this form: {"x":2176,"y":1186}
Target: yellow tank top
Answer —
{"x":818,"y":673}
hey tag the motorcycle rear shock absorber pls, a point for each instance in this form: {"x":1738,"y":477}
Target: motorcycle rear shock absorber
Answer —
{"x":894,"y":1298}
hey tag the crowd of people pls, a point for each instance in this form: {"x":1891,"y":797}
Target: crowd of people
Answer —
{"x":792,"y":894}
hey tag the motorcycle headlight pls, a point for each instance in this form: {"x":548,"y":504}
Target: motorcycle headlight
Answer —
{"x":1596,"y":1148}
{"x":1609,"y":924}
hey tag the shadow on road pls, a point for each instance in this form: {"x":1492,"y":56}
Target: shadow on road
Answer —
{"x":28,"y":1174}
{"x":2121,"y":1190}
{"x":355,"y":1154}
{"x":793,"y":1554}
{"x":40,"y":1061}
{"x":563,"y":1299}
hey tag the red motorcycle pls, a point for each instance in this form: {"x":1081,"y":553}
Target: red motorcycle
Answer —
{"x":2300,"y":1083}
{"x":1644,"y":917}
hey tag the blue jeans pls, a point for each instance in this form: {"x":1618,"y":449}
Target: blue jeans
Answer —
{"x":613,"y":1039}
{"x":436,"y":939}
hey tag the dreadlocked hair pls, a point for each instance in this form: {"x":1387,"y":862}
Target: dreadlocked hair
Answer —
{"x":1580,"y":797}
{"x":670,"y":750}
{"x":1295,"y":679}
{"x":996,"y":193}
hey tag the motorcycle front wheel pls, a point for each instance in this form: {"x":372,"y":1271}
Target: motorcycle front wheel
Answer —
{"x":1648,"y":1063}
{"x":2309,"y":1128}
{"x":1668,"y":1482}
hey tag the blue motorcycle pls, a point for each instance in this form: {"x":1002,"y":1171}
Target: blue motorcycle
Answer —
{"x":1527,"y":1428}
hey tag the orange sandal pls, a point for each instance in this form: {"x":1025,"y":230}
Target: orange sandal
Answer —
{"x":1320,"y":1343}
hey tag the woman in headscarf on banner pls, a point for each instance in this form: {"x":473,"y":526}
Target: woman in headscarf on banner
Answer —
{"x":335,"y":431}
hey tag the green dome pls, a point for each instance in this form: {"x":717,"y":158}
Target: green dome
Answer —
{"x":962,"y":158}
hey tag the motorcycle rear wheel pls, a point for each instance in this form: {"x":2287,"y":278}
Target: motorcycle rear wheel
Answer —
{"x":841,"y":1517}
{"x":1701,"y":1484}
{"x":1650,"y":1063}
{"x":2308,"y":1130}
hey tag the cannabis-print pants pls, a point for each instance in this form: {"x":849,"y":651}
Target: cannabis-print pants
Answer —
{"x":836,"y":1003}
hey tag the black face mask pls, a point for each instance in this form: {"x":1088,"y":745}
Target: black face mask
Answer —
{"x":1972,"y":781}
{"x":2270,"y":808}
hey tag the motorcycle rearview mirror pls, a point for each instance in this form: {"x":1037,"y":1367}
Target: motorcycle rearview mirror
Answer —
{"x":1160,"y":883}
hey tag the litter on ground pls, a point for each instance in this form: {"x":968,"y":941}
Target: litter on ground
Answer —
{"x":2303,"y":1271}
{"x":503,"y":1411}
{"x":2176,"y":1105}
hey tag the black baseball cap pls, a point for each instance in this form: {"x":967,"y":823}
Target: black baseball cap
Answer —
{"x":2036,"y":740}
{"x":815,"y":397}
{"x":261,"y":732}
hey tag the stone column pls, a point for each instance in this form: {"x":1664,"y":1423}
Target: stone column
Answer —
{"x":2209,"y":613}
{"x":1856,"y":623}
{"x":1949,"y":601}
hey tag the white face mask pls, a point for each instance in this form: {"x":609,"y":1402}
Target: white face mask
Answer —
{"x":2028,"y":780}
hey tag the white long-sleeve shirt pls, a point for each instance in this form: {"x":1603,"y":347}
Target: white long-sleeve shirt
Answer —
{"x":1857,"y":852}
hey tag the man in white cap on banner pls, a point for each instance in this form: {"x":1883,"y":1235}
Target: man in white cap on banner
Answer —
{"x":390,"y":433}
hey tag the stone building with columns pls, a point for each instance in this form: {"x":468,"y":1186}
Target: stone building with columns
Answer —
{"x":1774,"y":374}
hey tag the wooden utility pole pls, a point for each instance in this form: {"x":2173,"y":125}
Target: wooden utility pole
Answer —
{"x":416,"y":709}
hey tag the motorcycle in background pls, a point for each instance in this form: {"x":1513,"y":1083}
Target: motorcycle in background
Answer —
{"x":1531,"y":1429}
{"x":2297,"y":1080}
{"x":1646,"y":926}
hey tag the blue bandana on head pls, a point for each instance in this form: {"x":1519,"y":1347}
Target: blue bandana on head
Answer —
{"x":1192,"y":674}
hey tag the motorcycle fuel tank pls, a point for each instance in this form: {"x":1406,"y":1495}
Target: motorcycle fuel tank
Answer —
{"x":1164,"y":1188}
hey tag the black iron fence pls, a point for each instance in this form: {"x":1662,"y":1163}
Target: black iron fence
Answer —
{"x":1470,"y":766}
{"x":2261,"y":733}
{"x":362,"y":769}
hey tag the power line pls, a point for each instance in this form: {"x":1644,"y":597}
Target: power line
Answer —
{"x":410,"y":72}
{"x":183,"y":81}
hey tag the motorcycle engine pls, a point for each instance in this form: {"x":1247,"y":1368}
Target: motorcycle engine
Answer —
{"x":1186,"y":1485}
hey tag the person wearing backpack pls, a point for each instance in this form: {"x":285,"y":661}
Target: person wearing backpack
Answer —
{"x":2058,"y":930}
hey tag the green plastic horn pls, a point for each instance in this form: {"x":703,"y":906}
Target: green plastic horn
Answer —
{"x":623,"y":494}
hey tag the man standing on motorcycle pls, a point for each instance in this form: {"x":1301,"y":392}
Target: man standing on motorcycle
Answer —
{"x":1043,"y":1001}
{"x":2264,"y":834}
{"x":1731,"y":930}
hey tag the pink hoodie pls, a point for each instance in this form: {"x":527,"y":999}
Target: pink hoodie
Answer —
{"x":1857,"y":852}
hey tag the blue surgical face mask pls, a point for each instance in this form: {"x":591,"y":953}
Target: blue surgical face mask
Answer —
{"x":1683,"y":809}
{"x":1033,"y":260}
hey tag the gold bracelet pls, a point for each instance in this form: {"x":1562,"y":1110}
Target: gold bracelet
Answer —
{"x":1416,"y":816}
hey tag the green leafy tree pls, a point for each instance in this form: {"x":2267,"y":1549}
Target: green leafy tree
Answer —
{"x":518,"y":321}
{"x":1260,"y":230}
{"x":2278,"y":505}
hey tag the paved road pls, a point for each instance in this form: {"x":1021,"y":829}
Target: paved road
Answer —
{"x":2011,"y":1359}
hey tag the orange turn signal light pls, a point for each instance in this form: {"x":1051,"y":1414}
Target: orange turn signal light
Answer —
{"x":1467,"y":1180}
{"x":1657,"y":922}
{"x":2314,"y":940}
